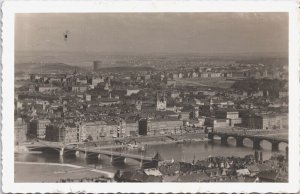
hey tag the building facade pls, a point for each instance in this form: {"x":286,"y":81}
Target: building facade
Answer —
{"x":265,"y":121}
{"x":55,"y":132}
{"x":163,"y":125}
{"x":20,"y":131}
{"x":217,"y":123}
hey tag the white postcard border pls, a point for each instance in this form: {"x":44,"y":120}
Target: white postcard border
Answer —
{"x":12,"y":7}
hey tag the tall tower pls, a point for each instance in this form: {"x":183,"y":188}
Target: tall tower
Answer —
{"x":97,"y":65}
{"x":161,"y":102}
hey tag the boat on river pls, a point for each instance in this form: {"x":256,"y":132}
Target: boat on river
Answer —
{"x":139,"y":147}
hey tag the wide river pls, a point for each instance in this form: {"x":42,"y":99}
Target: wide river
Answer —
{"x":179,"y":152}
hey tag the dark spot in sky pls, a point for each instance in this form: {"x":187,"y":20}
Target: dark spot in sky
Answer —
{"x":66,"y":35}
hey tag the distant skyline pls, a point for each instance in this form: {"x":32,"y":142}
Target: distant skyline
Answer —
{"x":203,"y":33}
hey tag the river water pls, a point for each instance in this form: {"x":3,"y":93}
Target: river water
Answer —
{"x":179,"y":152}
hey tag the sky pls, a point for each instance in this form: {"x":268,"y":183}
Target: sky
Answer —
{"x":203,"y":33}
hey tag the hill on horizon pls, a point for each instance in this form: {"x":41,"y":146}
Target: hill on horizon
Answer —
{"x":46,"y":67}
{"x":126,"y":68}
{"x":65,"y":68}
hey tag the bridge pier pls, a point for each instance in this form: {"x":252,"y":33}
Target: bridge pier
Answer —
{"x":275,"y":146}
{"x":224,"y":140}
{"x":61,"y":159}
{"x":61,"y":152}
{"x":211,"y":136}
{"x":256,"y":143}
{"x":85,"y":153}
{"x":239,"y":141}
{"x":77,"y":154}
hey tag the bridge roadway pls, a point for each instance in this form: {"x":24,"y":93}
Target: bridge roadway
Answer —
{"x":255,"y":138}
{"x":111,"y":153}
{"x":116,"y":157}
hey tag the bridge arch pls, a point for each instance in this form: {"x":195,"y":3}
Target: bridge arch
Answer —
{"x":217,"y":136}
{"x":273,"y":143}
{"x":249,"y":139}
{"x":232,"y":140}
{"x":282,"y":145}
{"x":45,"y":149}
{"x":92,"y":155}
{"x":240,"y":140}
{"x":265,"y":143}
{"x":69,"y":151}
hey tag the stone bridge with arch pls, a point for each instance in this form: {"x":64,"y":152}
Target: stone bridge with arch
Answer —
{"x":256,"y":139}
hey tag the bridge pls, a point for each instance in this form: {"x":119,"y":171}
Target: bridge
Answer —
{"x":115,"y":157}
{"x":256,"y":139}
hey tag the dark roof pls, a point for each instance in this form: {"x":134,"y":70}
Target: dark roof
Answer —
{"x":188,"y":108}
{"x":164,"y":113}
{"x":111,"y":122}
{"x":268,"y":175}
{"x":108,"y":100}
{"x":164,"y":119}
{"x":188,"y":178}
{"x":134,"y":176}
{"x":249,"y":179}
{"x":253,"y":168}
{"x":152,"y":178}
{"x":158,"y":156}
{"x":202,"y":163}
{"x":221,"y":110}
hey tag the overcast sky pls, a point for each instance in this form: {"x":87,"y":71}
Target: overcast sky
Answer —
{"x":153,"y":32}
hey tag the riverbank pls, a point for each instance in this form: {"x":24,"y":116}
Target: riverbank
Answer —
{"x":175,"y":141}
{"x":55,"y":172}
{"x":159,"y":140}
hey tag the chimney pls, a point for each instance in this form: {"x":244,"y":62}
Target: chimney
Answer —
{"x":256,"y":156}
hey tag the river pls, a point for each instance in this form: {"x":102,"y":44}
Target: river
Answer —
{"x":179,"y":152}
